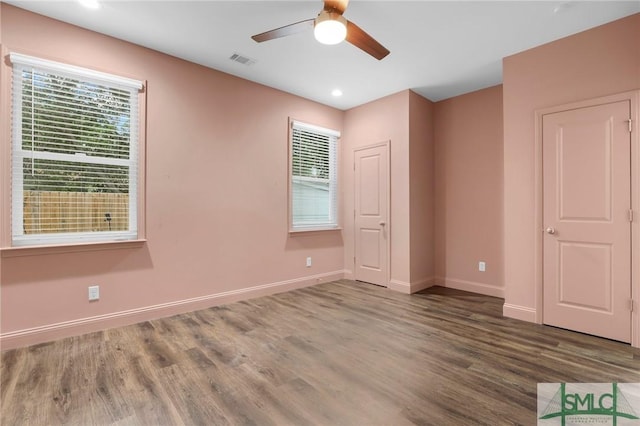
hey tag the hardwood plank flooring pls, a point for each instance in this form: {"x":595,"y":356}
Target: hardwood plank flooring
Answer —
{"x":341,"y":353}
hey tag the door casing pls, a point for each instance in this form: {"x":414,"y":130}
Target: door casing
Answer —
{"x":634,"y":98}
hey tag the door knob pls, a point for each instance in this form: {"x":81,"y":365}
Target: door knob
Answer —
{"x":550,"y":230}
{"x":382,"y":223}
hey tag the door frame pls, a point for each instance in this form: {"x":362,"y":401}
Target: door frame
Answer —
{"x":387,"y":145}
{"x":634,"y":99}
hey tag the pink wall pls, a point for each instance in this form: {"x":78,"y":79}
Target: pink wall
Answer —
{"x":405,"y":119}
{"x":421,"y":191}
{"x":217,"y":183}
{"x":469,"y":182}
{"x":602,"y":61}
{"x":216,"y":197}
{"x":382,"y":120}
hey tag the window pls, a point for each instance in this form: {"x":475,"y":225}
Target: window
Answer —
{"x":314,"y":177}
{"x":75,"y":154}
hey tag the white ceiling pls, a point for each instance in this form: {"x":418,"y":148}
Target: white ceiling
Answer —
{"x":439,"y":49}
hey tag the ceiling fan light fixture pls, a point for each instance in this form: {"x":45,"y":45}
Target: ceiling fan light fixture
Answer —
{"x":330,"y":28}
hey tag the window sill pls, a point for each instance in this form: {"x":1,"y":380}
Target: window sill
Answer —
{"x":7,"y":252}
{"x":306,"y":231}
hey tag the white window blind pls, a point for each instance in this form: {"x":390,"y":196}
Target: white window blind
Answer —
{"x":75,"y":154}
{"x":314,"y":177}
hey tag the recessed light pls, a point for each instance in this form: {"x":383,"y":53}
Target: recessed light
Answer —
{"x":90,"y":4}
{"x":336,"y":92}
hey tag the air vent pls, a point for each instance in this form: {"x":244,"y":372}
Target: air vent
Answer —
{"x":236,"y":57}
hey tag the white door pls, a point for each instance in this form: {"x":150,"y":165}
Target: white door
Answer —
{"x":371,"y":214}
{"x":586,"y":216}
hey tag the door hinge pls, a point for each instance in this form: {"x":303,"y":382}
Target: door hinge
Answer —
{"x":630,"y":215}
{"x":631,"y":305}
{"x":630,"y":126}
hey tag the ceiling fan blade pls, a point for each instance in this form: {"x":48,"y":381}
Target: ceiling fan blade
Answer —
{"x":337,"y":5}
{"x":287,"y":30}
{"x":362,"y":40}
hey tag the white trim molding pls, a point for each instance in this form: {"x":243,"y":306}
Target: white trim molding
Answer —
{"x":523,"y":313}
{"x":31,"y":61}
{"x":401,"y":286}
{"x":49,"y":332}
{"x":411,"y":287}
{"x":472,"y":287}
{"x":416,"y":286}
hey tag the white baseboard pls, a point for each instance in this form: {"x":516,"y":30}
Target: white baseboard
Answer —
{"x":420,"y":285}
{"x":471,"y":286}
{"x":349,"y":275}
{"x":401,"y":286}
{"x":49,"y":332}
{"x":523,"y":313}
{"x":412,"y":287}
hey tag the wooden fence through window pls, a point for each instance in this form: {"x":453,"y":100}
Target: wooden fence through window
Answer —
{"x":51,"y":211}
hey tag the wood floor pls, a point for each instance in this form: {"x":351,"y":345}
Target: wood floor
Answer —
{"x":342,"y":353}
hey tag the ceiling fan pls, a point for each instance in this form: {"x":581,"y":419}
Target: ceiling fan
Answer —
{"x":330,"y":27}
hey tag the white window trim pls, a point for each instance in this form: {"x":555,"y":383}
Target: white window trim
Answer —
{"x":335,"y":185}
{"x":75,"y":72}
{"x":136,"y":228}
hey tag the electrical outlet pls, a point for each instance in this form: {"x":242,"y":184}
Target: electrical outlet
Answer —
{"x":482,"y":266}
{"x":308,"y":262}
{"x":94,"y":292}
